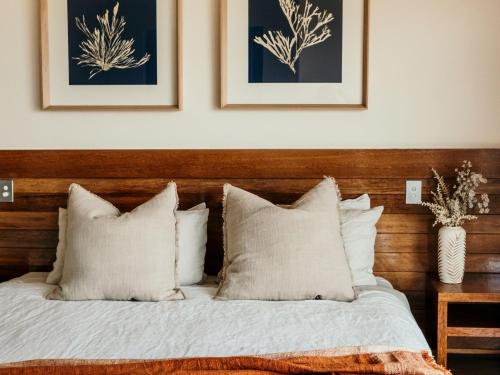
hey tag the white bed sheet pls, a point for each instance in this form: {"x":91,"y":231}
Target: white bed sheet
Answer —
{"x":32,"y":327}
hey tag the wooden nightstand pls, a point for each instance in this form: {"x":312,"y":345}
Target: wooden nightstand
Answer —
{"x":477,"y":289}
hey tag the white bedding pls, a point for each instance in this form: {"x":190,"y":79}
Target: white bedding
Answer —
{"x":32,"y":327}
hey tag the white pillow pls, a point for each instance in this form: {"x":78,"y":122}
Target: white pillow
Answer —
{"x":191,"y":241}
{"x":360,"y":203}
{"x":359,"y":233}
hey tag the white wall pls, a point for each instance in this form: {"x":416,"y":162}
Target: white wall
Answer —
{"x":434,"y":82}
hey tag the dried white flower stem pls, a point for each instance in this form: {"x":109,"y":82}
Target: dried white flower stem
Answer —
{"x":452,"y":209}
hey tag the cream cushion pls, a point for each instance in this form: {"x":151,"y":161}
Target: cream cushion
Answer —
{"x":191,"y":241}
{"x":276,"y":253}
{"x":117,"y":256}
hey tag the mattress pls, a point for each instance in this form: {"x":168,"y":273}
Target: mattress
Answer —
{"x":32,"y":327}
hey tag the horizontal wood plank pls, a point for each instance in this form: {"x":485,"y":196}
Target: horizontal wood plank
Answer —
{"x":347,"y":186}
{"x":424,"y":243}
{"x":401,"y":223}
{"x":406,"y":281}
{"x":243,"y":163}
{"x":473,"y":332}
{"x":32,"y":257}
{"x":402,"y":262}
{"x":386,"y":242}
{"x":388,"y":224}
{"x":393,"y":204}
{"x":465,"y":343}
{"x":28,"y":239}
{"x":384,"y":262}
{"x":28,"y":220}
{"x":414,"y":262}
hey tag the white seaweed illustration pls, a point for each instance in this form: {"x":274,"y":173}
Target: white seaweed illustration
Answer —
{"x":309,"y":28}
{"x":104,"y":49}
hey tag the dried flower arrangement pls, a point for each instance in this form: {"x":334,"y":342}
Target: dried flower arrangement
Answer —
{"x":308,"y":26}
{"x":452,"y":208}
{"x":104,"y":48}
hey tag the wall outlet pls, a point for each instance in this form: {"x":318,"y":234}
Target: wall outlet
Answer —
{"x":413,"y":192}
{"x":6,"y":191}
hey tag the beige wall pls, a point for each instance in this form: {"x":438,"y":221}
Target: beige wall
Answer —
{"x":434,"y":82}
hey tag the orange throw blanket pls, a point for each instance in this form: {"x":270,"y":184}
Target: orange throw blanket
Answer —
{"x":398,"y":362}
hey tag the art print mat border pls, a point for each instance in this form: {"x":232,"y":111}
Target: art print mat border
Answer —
{"x":46,"y":98}
{"x":225,"y":102}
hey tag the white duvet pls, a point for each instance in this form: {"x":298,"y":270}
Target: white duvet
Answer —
{"x":32,"y":327}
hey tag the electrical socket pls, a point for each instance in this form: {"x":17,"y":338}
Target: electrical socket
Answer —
{"x":6,"y":191}
{"x":413,"y":192}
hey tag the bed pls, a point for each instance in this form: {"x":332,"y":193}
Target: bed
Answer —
{"x":200,"y":335}
{"x":33,"y":328}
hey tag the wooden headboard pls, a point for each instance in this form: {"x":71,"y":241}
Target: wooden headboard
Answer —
{"x":405,"y":246}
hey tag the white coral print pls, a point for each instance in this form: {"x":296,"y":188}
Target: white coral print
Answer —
{"x":309,"y":28}
{"x":104,"y":49}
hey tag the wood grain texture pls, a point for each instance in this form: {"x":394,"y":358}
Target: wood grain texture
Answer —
{"x":416,"y":262}
{"x":442,"y":333}
{"x":469,"y":343}
{"x":244,"y":164}
{"x":393,"y":204}
{"x":475,"y":288}
{"x":425,"y":242}
{"x":473,"y":299}
{"x":28,"y":239}
{"x":405,"y":247}
{"x":473,"y":332}
{"x":348,"y":186}
{"x":44,"y":54}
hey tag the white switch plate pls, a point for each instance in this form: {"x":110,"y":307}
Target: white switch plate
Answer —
{"x":413,"y":192}
{"x":6,"y":191}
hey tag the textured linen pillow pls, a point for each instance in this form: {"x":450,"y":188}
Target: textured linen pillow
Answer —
{"x":191,"y":241}
{"x":117,"y":256}
{"x":275,"y":253}
{"x":359,"y":233}
{"x":360,"y":203}
{"x":54,"y":277}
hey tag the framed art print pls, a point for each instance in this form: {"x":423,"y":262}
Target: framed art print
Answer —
{"x":294,"y":53}
{"x":111,"y":54}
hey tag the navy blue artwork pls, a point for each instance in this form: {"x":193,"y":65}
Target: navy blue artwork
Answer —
{"x":295,"y":41}
{"x":112,"y":42}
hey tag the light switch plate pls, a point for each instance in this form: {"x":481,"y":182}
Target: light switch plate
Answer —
{"x":7,"y":191}
{"x":413,"y":192}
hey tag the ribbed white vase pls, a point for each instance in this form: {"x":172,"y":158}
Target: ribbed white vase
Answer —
{"x":451,"y":254}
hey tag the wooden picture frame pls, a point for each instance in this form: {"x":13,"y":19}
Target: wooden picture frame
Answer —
{"x":46,"y":98}
{"x":225,"y":103}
